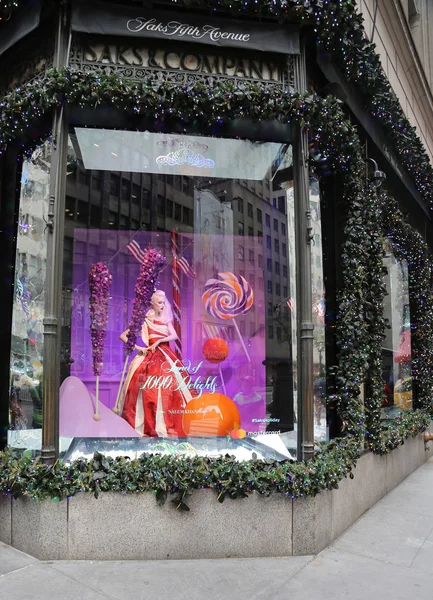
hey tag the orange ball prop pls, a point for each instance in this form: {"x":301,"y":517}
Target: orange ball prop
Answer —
{"x":215,"y":350}
{"x":212,"y":414}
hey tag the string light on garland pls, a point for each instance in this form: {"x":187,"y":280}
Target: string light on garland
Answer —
{"x":359,"y":323}
{"x":6,"y":9}
{"x":340,"y":32}
{"x":357,"y":341}
{"x":226,"y":476}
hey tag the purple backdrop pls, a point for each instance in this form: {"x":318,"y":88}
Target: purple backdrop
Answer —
{"x":207,"y":254}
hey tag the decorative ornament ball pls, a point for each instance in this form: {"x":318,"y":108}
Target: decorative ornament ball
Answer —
{"x":215,"y":350}
{"x":238,"y":434}
{"x":211,"y":414}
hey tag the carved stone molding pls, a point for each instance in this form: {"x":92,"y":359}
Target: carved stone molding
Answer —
{"x":26,"y":67}
{"x":275,"y":75}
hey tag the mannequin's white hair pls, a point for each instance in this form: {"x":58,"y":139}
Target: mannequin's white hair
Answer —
{"x":167,"y":313}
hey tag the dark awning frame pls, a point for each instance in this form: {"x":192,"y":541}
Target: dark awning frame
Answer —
{"x":371,"y":127}
{"x":19,"y":26}
{"x":146,"y":23}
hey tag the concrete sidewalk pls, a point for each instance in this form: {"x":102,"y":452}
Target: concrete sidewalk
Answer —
{"x":387,"y":553}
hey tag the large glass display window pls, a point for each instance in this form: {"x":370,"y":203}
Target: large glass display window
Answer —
{"x":321,"y":432}
{"x":198,"y":233}
{"x":26,"y":368}
{"x":319,"y":316}
{"x":219,"y":375}
{"x":396,"y":347}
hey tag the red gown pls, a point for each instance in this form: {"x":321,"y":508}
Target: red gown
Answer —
{"x":156,"y":388}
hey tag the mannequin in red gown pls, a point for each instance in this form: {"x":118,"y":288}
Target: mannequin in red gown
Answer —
{"x":155,"y":390}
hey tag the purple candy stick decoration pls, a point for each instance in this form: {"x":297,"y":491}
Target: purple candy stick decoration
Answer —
{"x":153,"y":261}
{"x":152,"y":264}
{"x":99,"y":284}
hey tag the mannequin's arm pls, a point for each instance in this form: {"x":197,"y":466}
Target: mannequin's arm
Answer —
{"x":124,"y":338}
{"x":172,"y":335}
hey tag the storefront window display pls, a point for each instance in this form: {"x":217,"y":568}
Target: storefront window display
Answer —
{"x":319,"y":313}
{"x":26,"y":372}
{"x":396,"y":350}
{"x":207,"y":362}
{"x":215,"y":375}
{"x":318,"y":305}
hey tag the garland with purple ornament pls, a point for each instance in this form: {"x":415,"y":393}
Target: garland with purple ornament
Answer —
{"x":337,"y":137}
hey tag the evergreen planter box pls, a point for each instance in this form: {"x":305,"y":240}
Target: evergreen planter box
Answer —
{"x":134,"y":526}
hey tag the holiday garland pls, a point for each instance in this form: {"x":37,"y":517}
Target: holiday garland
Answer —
{"x":360,"y":323}
{"x":165,"y":474}
{"x":170,"y":103}
{"x":339,"y":31}
{"x":7,"y":8}
{"x":375,"y":293}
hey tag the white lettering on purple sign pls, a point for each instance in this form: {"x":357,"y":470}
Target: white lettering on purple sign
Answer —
{"x":177,"y":377}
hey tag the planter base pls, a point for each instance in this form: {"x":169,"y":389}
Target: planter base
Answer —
{"x":134,"y":527}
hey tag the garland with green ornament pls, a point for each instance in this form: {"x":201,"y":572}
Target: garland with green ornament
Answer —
{"x":339,"y":30}
{"x":7,"y":8}
{"x":360,"y":324}
{"x":176,"y":477}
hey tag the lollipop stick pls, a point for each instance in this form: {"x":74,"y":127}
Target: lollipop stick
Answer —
{"x":115,"y":408}
{"x":242,"y":341}
{"x":222,"y":380}
{"x":96,"y":414}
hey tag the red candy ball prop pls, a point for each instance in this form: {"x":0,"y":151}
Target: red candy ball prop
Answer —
{"x":215,"y":350}
{"x":212,"y":414}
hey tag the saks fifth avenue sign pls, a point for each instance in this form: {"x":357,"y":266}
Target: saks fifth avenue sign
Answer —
{"x":109,"y":19}
{"x":192,"y":62}
{"x":177,"y":29}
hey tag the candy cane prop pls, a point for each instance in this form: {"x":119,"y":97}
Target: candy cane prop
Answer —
{"x":176,"y":296}
{"x":228,"y":296}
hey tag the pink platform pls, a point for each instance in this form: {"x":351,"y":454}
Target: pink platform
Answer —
{"x":77,"y":406}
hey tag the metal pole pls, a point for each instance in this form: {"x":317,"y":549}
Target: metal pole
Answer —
{"x":53,"y":284}
{"x":304,"y":236}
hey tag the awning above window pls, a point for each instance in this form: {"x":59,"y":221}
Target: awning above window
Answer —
{"x":145,"y":23}
{"x":20,"y":26}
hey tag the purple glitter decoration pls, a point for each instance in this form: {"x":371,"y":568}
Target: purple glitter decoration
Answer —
{"x":152,"y":264}
{"x":99,"y":284}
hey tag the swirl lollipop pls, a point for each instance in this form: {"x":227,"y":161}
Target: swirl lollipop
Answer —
{"x":226,"y":297}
